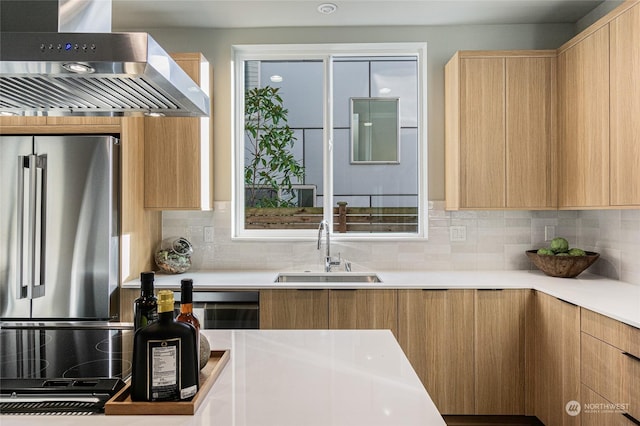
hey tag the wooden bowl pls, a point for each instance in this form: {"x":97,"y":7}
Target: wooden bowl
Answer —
{"x":562,"y":266}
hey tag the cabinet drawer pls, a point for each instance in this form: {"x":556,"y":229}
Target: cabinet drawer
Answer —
{"x":596,"y":411}
{"x":631,"y":384}
{"x":601,"y":368}
{"x":613,"y":332}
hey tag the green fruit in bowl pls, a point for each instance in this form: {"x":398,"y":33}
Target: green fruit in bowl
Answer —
{"x":559,"y":245}
{"x":577,"y":252}
{"x":562,"y":254}
{"x":546,"y":251}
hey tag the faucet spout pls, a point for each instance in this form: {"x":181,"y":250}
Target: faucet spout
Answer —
{"x":328,"y":260}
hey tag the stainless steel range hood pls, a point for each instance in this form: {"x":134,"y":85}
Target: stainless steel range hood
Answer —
{"x":89,"y":73}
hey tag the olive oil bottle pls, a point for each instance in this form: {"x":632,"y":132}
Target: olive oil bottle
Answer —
{"x":165,"y":360}
{"x":145,"y":307}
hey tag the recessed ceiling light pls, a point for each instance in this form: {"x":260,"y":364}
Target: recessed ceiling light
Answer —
{"x":78,"y":68}
{"x":384,"y":91}
{"x":276,"y":78}
{"x":327,"y":8}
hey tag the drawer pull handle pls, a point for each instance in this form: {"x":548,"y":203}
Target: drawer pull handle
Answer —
{"x":631,"y":356}
{"x":568,"y":303}
{"x":631,"y":418}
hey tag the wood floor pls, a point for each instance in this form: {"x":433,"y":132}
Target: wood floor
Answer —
{"x":492,"y":421}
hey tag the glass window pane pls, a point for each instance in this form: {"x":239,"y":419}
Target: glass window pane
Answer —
{"x":377,"y":197}
{"x":283,"y":119}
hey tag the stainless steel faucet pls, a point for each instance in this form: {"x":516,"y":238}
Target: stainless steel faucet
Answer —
{"x":328,"y":260}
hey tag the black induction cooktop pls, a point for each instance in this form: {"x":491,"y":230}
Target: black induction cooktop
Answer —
{"x":65,"y":353}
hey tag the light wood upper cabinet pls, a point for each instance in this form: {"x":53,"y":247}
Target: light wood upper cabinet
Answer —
{"x":624,"y":34}
{"x":599,"y":133}
{"x":583,"y":171}
{"x":482,"y":124}
{"x":531,"y":133}
{"x":178,"y":172}
{"x":500,"y":130}
{"x":435,"y":330}
{"x":363,"y":309}
{"x":556,"y":361}
{"x":294,"y":309}
{"x":500,"y":326}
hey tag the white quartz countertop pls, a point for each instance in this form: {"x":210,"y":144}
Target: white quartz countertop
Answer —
{"x":294,"y":378}
{"x":615,"y":299}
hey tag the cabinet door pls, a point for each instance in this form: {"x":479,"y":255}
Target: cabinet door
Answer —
{"x":363,"y":309}
{"x":177,"y":159}
{"x":482,"y":136}
{"x":294,"y":309}
{"x":583,"y":170}
{"x":500,"y":351}
{"x":611,"y":360}
{"x":556,"y":359}
{"x":594,"y":412}
{"x":625,"y":108}
{"x":435,"y":330}
{"x":530,"y":135}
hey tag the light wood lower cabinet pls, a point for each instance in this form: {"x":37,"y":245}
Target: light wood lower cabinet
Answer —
{"x":500,"y":324}
{"x":611,"y":362}
{"x":435,"y":330}
{"x":329,"y":309}
{"x":597,"y":411}
{"x":556,"y":361}
{"x":294,"y":309}
{"x":363,"y":309}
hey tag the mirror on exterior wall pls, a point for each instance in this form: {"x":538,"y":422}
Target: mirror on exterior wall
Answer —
{"x":375,"y":130}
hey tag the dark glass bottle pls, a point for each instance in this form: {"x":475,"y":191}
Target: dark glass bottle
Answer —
{"x":165,"y":362}
{"x":145,"y":307}
{"x":186,"y":310}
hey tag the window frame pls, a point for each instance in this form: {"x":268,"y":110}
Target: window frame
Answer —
{"x":324,"y":53}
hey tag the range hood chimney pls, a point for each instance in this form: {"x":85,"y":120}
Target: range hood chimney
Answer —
{"x":60,"y":58}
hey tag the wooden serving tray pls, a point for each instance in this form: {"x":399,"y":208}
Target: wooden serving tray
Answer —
{"x":122,"y":404}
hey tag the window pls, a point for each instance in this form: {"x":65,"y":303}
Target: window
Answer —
{"x":330,"y":132}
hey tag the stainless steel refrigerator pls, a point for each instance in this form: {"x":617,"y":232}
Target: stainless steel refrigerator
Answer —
{"x":59,"y":227}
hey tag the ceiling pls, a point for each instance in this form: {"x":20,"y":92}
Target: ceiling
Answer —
{"x":133,"y":14}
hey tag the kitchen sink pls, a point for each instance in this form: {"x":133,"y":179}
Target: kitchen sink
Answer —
{"x":327,"y":277}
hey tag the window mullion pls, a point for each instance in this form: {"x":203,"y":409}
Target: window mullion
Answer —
{"x":328,"y":141}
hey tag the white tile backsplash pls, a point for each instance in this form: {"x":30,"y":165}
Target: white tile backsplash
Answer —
{"x":496,"y":240}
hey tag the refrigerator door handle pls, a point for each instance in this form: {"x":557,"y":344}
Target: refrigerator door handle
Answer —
{"x":31,"y":224}
{"x":21,"y":293}
{"x":31,"y":266}
{"x":39,"y":246}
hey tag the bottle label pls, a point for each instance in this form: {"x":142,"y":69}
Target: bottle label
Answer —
{"x":163,"y":369}
{"x":188,"y":392}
